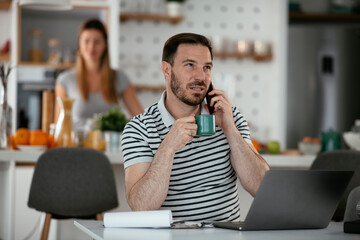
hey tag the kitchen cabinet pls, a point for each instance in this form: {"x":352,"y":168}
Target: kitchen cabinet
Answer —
{"x":62,"y":25}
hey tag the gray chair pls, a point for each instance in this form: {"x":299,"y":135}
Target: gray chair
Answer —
{"x":340,"y":160}
{"x":352,"y":212}
{"x":72,"y":183}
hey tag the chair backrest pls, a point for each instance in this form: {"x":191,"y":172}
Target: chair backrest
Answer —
{"x":340,"y":160}
{"x":73,"y":183}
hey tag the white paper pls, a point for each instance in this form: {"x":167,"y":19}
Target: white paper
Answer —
{"x":139,"y":219}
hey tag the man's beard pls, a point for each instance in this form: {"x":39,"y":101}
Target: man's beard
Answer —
{"x":180,"y":93}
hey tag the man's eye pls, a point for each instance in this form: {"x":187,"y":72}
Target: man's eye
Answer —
{"x":207,"y":68}
{"x":189,"y":65}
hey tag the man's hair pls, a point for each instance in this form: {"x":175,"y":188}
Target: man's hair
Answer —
{"x":172,"y":44}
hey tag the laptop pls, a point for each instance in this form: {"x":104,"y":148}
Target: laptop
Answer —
{"x":294,"y":199}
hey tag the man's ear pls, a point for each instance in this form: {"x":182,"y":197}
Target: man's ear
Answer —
{"x":166,"y":69}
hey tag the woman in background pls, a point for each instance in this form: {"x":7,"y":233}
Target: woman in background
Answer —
{"x":93,"y":85}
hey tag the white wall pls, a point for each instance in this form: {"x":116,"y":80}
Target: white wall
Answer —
{"x":257,"y":88}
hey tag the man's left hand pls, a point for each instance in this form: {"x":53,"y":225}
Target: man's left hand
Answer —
{"x":222,"y":110}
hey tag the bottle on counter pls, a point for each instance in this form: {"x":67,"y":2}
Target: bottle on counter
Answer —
{"x":64,"y":135}
{"x":51,"y":142}
{"x":93,"y":136}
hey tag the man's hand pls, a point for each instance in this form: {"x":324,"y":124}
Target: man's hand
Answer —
{"x":222,"y":110}
{"x":181,"y":132}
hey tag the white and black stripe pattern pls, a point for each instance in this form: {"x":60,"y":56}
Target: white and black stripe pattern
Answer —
{"x":203,"y":182}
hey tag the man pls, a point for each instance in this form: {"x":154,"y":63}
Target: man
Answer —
{"x":167,"y":166}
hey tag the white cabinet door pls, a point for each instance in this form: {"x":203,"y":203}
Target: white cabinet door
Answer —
{"x":27,"y":220}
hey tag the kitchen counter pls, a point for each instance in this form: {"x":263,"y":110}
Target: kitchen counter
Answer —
{"x":32,"y":156}
{"x":274,"y":160}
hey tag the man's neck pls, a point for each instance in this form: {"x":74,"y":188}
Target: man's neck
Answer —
{"x":179,"y":109}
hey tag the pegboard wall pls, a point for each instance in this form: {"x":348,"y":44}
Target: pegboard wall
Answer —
{"x":252,"y":86}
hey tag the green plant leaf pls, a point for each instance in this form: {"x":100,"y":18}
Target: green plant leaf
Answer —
{"x":113,"y":120}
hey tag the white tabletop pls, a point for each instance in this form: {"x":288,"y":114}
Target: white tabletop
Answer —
{"x":96,"y":230}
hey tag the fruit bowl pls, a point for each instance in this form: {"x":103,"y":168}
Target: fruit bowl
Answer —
{"x":309,"y":148}
{"x":30,"y":148}
{"x":352,"y":139}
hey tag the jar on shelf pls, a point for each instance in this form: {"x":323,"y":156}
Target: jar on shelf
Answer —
{"x":35,"y":51}
{"x":54,"y":51}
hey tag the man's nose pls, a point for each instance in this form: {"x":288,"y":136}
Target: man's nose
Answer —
{"x":200,"y":75}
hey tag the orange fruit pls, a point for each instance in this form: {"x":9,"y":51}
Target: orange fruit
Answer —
{"x":13,"y":144}
{"x":22,"y":136}
{"x":38,"y":138}
{"x":256,"y":144}
{"x":307,"y":140}
{"x":51,"y":142}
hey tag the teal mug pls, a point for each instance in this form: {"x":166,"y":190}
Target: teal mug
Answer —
{"x":330,"y":140}
{"x":206,"y":125}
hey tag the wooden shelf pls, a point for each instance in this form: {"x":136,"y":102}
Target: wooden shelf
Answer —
{"x":258,"y":58}
{"x":5,"y":5}
{"x":150,"y":17}
{"x":154,"y":88}
{"x":4,"y":57}
{"x":295,"y":17}
{"x":48,"y":65}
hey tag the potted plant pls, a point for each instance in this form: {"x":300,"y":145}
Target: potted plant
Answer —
{"x":174,"y":7}
{"x":112,"y":123}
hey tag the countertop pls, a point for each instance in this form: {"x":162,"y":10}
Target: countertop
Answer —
{"x":274,"y":160}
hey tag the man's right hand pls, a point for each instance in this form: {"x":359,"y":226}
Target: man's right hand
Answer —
{"x":181,"y":132}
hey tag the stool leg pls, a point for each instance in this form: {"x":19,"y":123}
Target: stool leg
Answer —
{"x":46,"y":227}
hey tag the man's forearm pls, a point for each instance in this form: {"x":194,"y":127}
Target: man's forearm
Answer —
{"x":249,"y":166}
{"x":150,"y":192}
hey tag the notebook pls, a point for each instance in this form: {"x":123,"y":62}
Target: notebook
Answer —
{"x":294,"y":199}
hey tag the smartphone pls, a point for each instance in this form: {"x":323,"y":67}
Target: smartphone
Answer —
{"x":208,"y":99}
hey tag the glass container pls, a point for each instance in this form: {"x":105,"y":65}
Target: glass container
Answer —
{"x":54,"y":51}
{"x":35,"y":51}
{"x":64,"y":135}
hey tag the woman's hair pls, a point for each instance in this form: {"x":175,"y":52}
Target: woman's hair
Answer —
{"x":107,"y":74}
{"x":172,"y":44}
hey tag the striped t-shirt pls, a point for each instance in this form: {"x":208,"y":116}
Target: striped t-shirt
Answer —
{"x":203,"y":184}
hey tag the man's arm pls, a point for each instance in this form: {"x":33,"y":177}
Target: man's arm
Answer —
{"x":249,"y":166}
{"x":147,"y":184}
